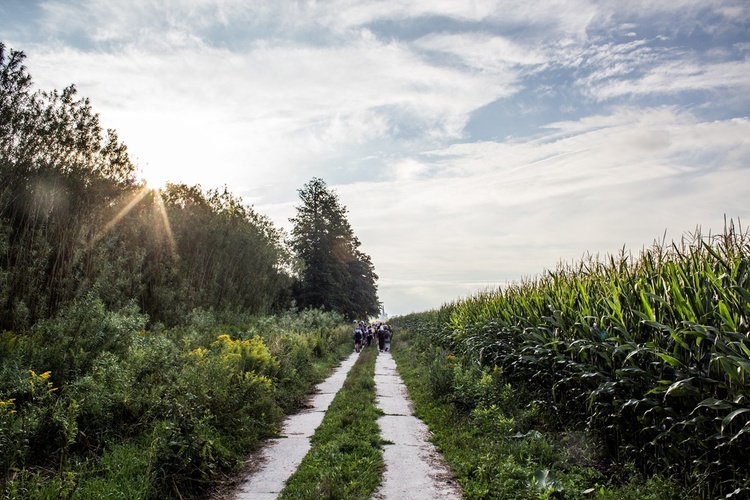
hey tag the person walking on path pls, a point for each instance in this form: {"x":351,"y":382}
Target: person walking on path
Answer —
{"x":381,"y":338}
{"x":357,"y":339}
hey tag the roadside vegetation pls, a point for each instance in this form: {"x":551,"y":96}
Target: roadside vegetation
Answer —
{"x":346,"y":459}
{"x":167,"y":414}
{"x":149,"y":336}
{"x":500,"y":446}
{"x":619,"y":378}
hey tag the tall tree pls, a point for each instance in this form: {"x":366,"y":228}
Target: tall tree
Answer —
{"x":57,"y":172}
{"x":333,"y":275}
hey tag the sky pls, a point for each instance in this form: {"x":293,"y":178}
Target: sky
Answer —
{"x":474,"y":143}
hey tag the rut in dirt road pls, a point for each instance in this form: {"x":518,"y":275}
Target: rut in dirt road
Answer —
{"x":414,"y":470}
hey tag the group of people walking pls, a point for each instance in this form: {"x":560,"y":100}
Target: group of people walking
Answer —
{"x":365,"y":333}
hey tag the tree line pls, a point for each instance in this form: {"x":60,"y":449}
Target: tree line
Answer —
{"x":76,"y":222}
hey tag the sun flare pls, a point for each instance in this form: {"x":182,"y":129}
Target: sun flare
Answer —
{"x":161,"y":209}
{"x":154,"y":178}
{"x":137,"y":197}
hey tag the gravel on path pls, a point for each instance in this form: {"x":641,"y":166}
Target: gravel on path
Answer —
{"x":414,"y":470}
{"x":277,"y":461}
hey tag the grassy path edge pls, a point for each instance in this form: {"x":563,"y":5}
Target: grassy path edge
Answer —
{"x":491,"y":459}
{"x":346,"y":458}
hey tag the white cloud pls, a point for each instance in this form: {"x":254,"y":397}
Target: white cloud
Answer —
{"x":483,"y":52}
{"x":589,"y":186}
{"x":680,"y":76}
{"x":278,"y":106}
{"x":264,"y":95}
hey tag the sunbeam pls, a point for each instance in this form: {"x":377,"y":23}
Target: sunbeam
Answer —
{"x":159,"y":202}
{"x":122,"y":213}
{"x":159,"y":207}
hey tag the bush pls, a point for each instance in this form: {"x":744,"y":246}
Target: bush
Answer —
{"x":193,"y":400}
{"x":68,"y":344}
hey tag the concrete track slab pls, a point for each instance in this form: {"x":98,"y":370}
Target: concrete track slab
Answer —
{"x":394,"y":406}
{"x":414,"y":470}
{"x":280,"y":457}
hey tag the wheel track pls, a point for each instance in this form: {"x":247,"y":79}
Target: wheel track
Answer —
{"x":414,"y":469}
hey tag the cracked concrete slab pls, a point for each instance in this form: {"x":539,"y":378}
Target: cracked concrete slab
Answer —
{"x":278,"y":460}
{"x":414,"y":470}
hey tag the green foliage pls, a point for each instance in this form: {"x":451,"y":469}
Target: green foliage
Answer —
{"x":58,"y":171}
{"x":189,"y":403}
{"x":123,"y":472}
{"x":650,"y":356}
{"x":83,"y":331}
{"x":75,"y":223}
{"x":498,"y":449}
{"x":230,"y":257}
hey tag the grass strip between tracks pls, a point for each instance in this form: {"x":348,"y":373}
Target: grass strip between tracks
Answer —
{"x":346,"y":459}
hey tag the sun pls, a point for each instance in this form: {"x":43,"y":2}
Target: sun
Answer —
{"x":154,"y":178}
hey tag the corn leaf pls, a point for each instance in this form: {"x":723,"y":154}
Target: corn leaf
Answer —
{"x":729,"y":418}
{"x":741,"y":432}
{"x":714,"y":404}
{"x":682,"y":388}
{"x":671,"y":360}
{"x":727,"y":316}
{"x":649,"y":312}
{"x":745,"y":294}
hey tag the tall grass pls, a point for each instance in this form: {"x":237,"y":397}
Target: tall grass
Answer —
{"x":650,"y":353}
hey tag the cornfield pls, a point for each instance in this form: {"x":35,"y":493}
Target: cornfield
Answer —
{"x":650,"y":353}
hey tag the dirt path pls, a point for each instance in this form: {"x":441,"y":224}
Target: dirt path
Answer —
{"x":414,"y":470}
